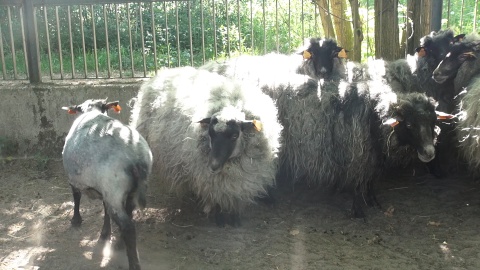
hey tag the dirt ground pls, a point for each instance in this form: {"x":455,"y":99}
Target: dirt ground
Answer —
{"x":424,"y":223}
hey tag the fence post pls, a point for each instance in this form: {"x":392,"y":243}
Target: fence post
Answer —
{"x":436,"y":19}
{"x":33,"y":52}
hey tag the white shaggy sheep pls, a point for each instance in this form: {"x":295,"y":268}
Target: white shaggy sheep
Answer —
{"x":204,"y":131}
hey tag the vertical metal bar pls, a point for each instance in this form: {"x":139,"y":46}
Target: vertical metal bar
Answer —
{"x":72,"y":57}
{"x":251,"y":27}
{"x":239,"y":28}
{"x":190,"y":31}
{"x":12,"y":44}
{"x":448,"y":14}
{"x":95,"y":53}
{"x":142,"y":37}
{"x":49,"y":49}
{"x":276,"y":26}
{"x":120,"y":65}
{"x":475,"y":13}
{"x":214,"y":29}
{"x":461,"y":15}
{"x":264,"y":29}
{"x":59,"y":40}
{"x":303,"y":22}
{"x":83,"y":42}
{"x":130,"y":37}
{"x":436,"y":19}
{"x":2,"y":58}
{"x":107,"y":44}
{"x":178,"y":34}
{"x":33,"y":51}
{"x":24,"y":41}
{"x":290,"y":24}
{"x":152,"y":15}
{"x":166,"y":33}
{"x":203,"y":30}
{"x":228,"y":28}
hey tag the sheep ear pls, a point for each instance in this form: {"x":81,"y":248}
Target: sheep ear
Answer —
{"x":391,"y":122}
{"x":72,"y":109}
{"x":458,"y":38}
{"x":444,"y":116}
{"x":205,"y":122}
{"x":306,"y":55}
{"x":421,"y":52}
{"x":113,"y":105}
{"x":255,"y":124}
{"x":467,"y":56}
{"x":342,"y":53}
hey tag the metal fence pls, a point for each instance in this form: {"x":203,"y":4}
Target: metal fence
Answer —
{"x":72,"y":39}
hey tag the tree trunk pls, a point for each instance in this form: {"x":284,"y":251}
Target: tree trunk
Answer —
{"x":419,"y":25}
{"x":327,"y":24}
{"x":343,"y":27}
{"x":357,"y":32}
{"x":386,"y":30}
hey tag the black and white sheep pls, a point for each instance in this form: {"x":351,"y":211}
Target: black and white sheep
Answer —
{"x":205,"y":131}
{"x":463,"y":65}
{"x":341,"y":136}
{"x":107,"y":160}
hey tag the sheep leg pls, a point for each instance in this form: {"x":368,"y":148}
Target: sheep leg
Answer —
{"x":357,"y":211}
{"x":107,"y":228}
{"x":219,"y":216}
{"x":77,"y":195}
{"x":371,"y":198}
{"x":129,"y":237}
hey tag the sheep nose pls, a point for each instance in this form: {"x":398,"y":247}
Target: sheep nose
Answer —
{"x":323,"y":70}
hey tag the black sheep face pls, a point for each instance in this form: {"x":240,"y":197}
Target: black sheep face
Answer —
{"x":415,"y":126}
{"x":225,"y":139}
{"x":320,"y":57}
{"x":459,"y":54}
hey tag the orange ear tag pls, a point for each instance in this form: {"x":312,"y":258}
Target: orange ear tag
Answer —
{"x":306,"y":55}
{"x":70,"y":111}
{"x":257,"y":125}
{"x":391,"y":122}
{"x":117,"y":108}
{"x":444,"y":116}
{"x":342,"y":54}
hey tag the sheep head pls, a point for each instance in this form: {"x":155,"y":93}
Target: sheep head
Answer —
{"x":458,"y":55}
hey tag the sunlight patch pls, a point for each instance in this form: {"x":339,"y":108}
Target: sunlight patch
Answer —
{"x":25,"y":258}
{"x":107,"y":252}
{"x":85,"y":242}
{"x":14,"y":228}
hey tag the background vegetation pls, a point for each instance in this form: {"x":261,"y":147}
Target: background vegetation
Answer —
{"x":135,"y":39}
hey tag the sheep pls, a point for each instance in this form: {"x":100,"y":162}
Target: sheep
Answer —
{"x":110,"y":161}
{"x":462,"y":65}
{"x":206,"y":132}
{"x":342,"y":137}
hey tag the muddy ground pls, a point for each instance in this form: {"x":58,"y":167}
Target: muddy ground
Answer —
{"x":424,"y":223}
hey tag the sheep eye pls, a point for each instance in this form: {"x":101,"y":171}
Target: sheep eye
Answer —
{"x":234,"y":137}
{"x":408,"y":125}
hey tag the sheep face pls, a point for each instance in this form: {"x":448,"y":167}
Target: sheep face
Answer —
{"x":93,"y":105}
{"x":415,"y":126}
{"x":320,"y":57}
{"x":459,"y":54}
{"x":226,"y":140}
{"x":435,"y":46}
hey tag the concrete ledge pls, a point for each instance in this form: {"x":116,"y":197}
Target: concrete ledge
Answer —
{"x":32,"y":121}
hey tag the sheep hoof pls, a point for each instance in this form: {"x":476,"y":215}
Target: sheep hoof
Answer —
{"x":76,"y":221}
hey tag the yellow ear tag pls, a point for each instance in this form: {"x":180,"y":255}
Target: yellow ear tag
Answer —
{"x":342,"y":54}
{"x":306,"y":55}
{"x":257,"y":125}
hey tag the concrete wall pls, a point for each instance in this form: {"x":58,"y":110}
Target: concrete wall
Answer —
{"x":32,"y":121}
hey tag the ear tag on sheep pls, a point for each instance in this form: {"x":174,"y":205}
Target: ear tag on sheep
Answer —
{"x":342,"y":54}
{"x":117,"y":108}
{"x":306,"y":55}
{"x":71,"y":111}
{"x":257,"y":125}
{"x":391,"y":122}
{"x":470,"y":54}
{"x":444,"y":116}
